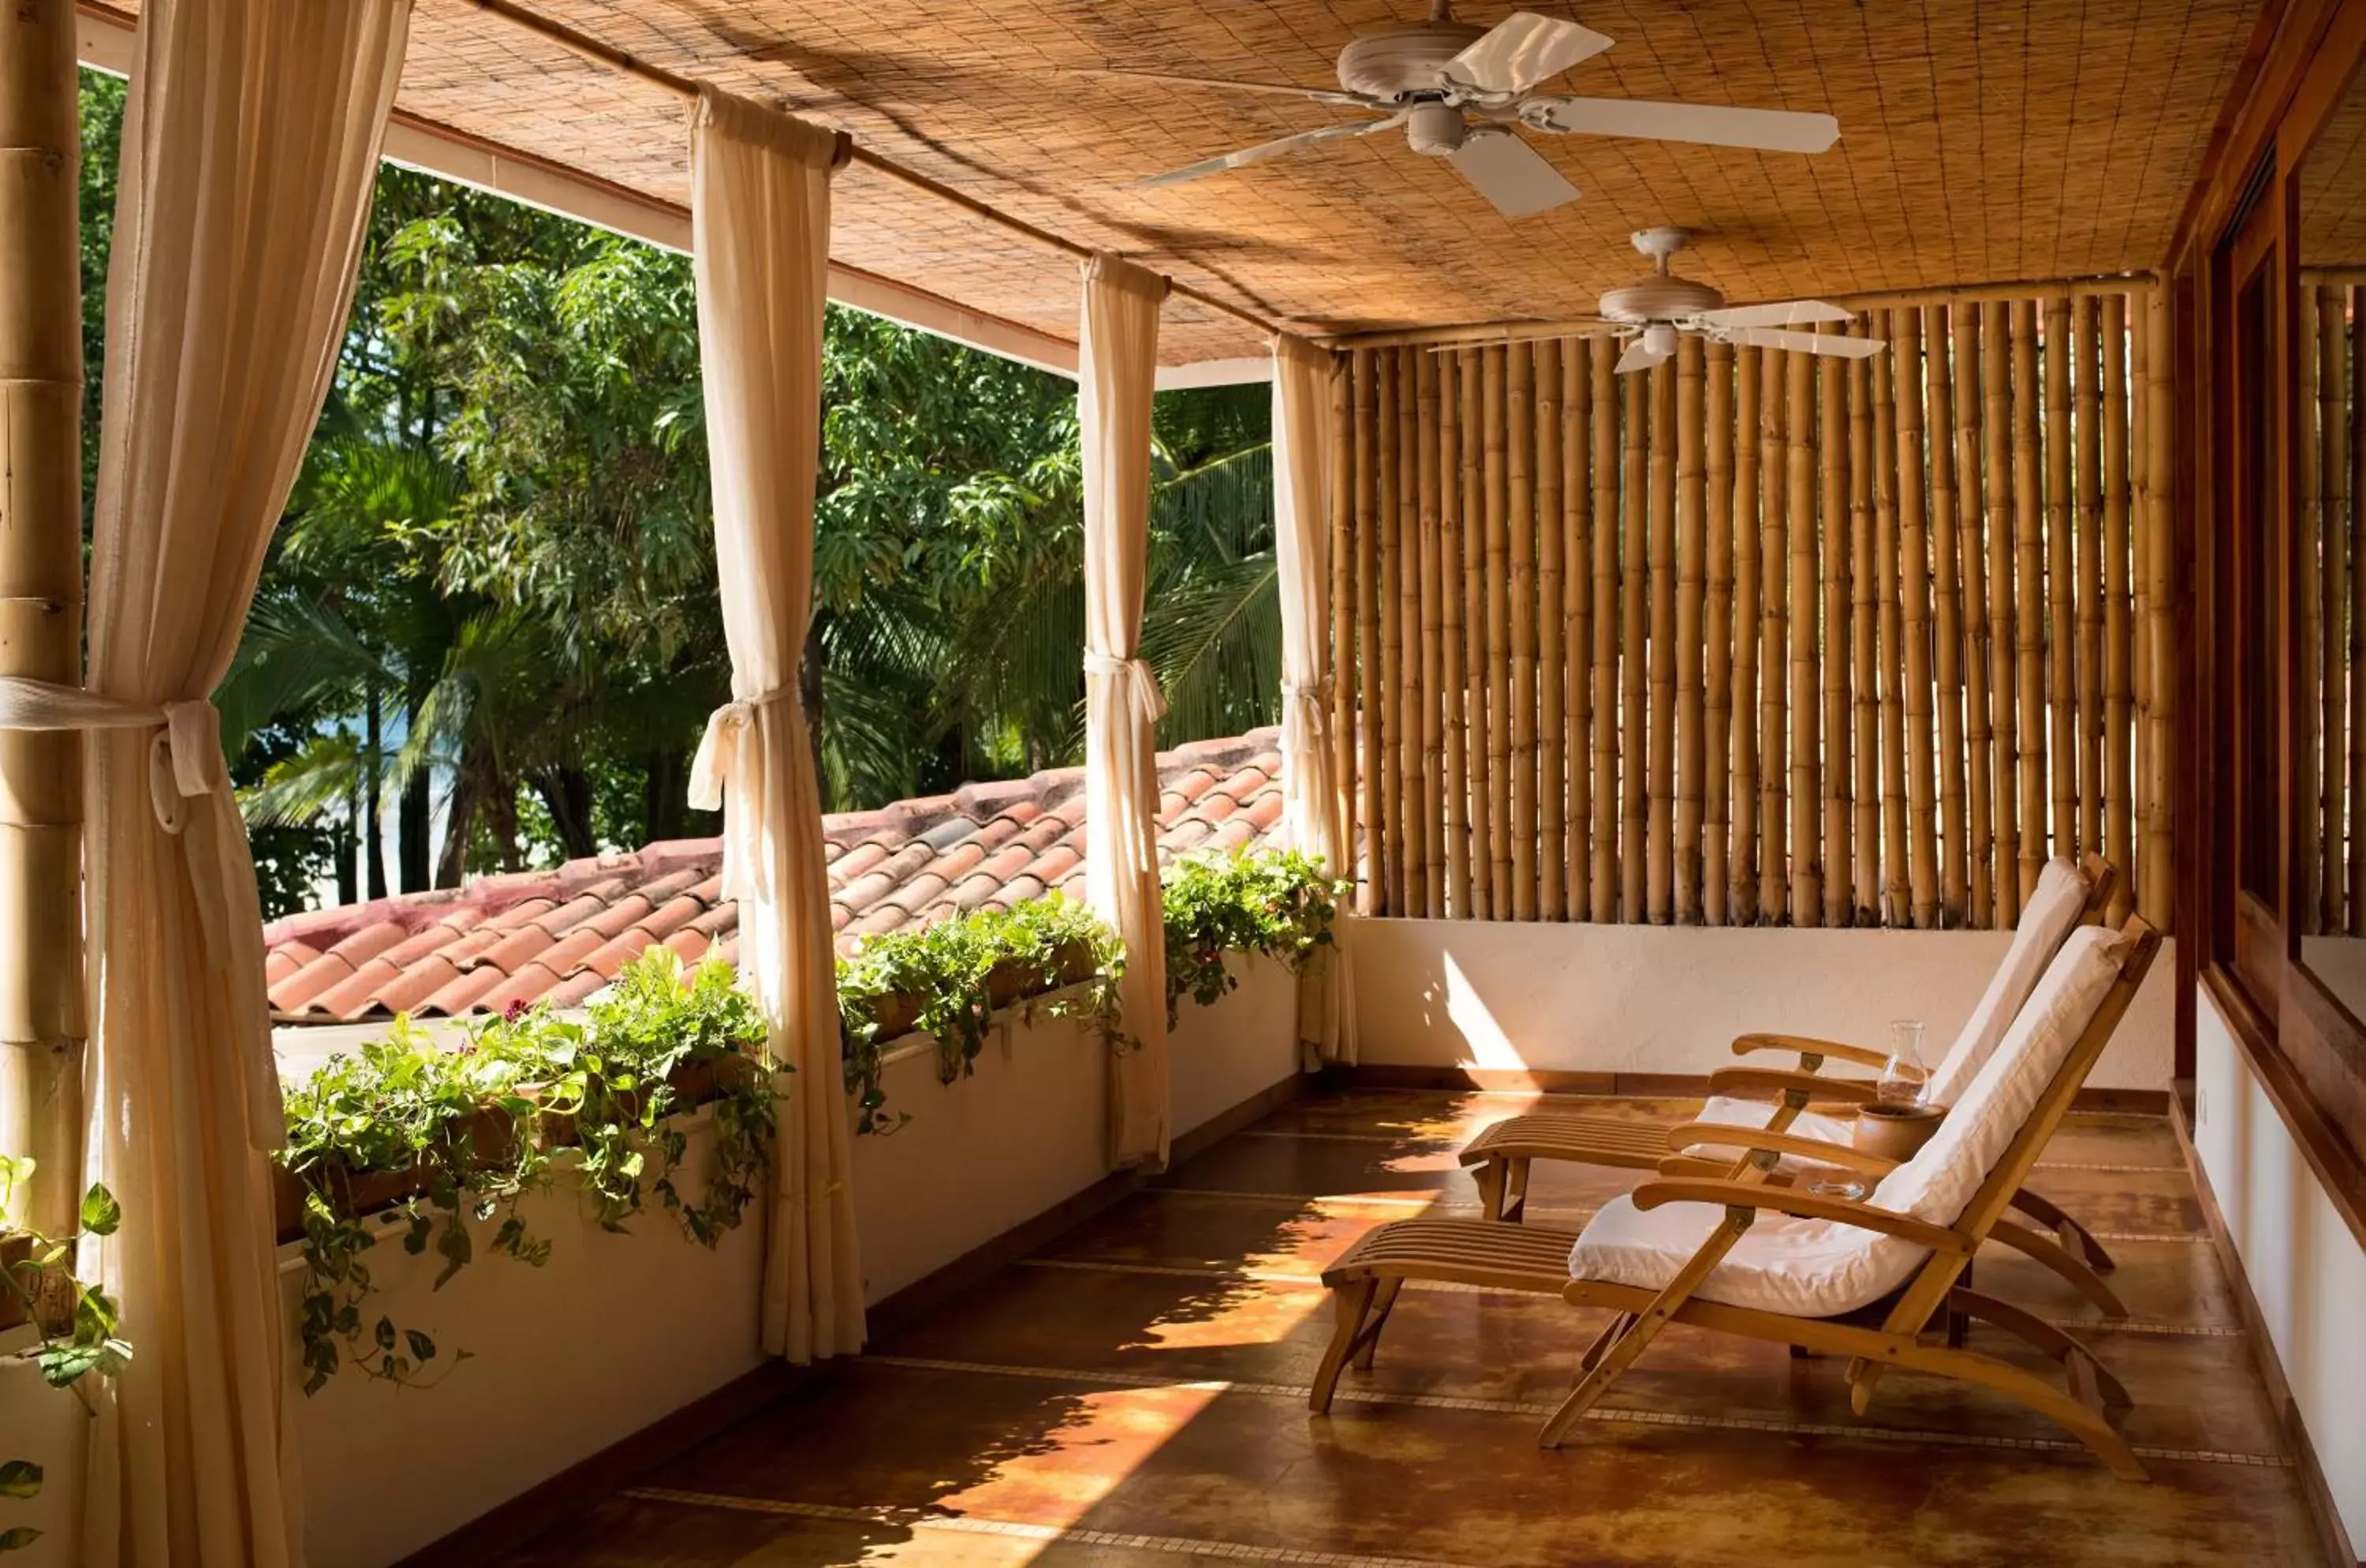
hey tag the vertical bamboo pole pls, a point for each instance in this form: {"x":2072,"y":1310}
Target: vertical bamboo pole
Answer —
{"x":1941,"y":368}
{"x":1501,"y":727}
{"x":1690,"y":585}
{"x":2356,"y":789}
{"x":1717,"y":672}
{"x":1971,"y":516}
{"x":1552,"y":667}
{"x":2087,"y":483}
{"x":1577,"y":645}
{"x":1367,"y":629}
{"x":2119,"y":727}
{"x":1661,"y":647}
{"x":2333,"y":389}
{"x":1603,"y":850}
{"x":41,"y":1020}
{"x":1742,"y":907}
{"x":1432,"y":622}
{"x":1997,"y":522}
{"x":1634,"y":561}
{"x":1520,"y":413}
{"x":1808,"y":844}
{"x":2029,"y":590}
{"x":2156,"y":896}
{"x":1897,"y":887}
{"x":1480,"y":746}
{"x":2140,"y":625}
{"x":1343,"y":611}
{"x":1774,"y":723}
{"x":1453,"y":673}
{"x":1869,"y":573}
{"x":1390,"y":720}
{"x":2308,"y":568}
{"x":2061,"y":658}
{"x":1914,"y":596}
{"x":1406,"y":740}
{"x":1839,"y":774}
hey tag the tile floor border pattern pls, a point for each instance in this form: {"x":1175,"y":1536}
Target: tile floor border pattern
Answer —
{"x":1450,"y":1287}
{"x":1049,"y":1535}
{"x":1613,"y":1415}
{"x":1296,"y":1135}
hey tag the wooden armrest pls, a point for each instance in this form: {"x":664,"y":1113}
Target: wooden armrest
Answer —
{"x":1717,"y":1135}
{"x":1764,"y":1083}
{"x":1808,"y":1046}
{"x":1803,"y":1203}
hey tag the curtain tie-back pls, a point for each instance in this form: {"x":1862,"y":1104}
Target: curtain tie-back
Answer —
{"x":1140,"y":682}
{"x":722,"y":752}
{"x":1305,"y":714}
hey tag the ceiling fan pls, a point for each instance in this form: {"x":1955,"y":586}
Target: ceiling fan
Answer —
{"x":1649,"y":315}
{"x":1460,"y":90}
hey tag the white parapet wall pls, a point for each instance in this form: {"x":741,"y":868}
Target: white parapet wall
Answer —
{"x":1502,"y":996}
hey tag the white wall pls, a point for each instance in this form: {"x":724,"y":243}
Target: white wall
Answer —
{"x":2306,"y":1271}
{"x":47,"y":1425}
{"x":1620,"y":998}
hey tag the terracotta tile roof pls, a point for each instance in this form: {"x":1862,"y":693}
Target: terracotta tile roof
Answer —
{"x":560,"y":935}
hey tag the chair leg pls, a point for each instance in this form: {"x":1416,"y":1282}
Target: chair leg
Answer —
{"x":1490,"y":1177}
{"x":1617,"y":1325}
{"x":1517,"y":1190}
{"x":2080,"y":1363}
{"x":1613,"y":1359}
{"x":2076,"y":1239}
{"x":1349,"y":1302}
{"x":1368,"y":1339}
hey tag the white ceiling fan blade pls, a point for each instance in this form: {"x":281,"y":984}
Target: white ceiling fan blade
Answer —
{"x":1773,"y":130}
{"x":1319,"y":95}
{"x":1640,"y":356}
{"x":1265,"y":150}
{"x":1781,"y":313}
{"x":1521,"y":50}
{"x":1510,"y":174}
{"x":1834,"y":344}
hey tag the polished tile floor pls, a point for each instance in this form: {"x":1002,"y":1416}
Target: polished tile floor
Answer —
{"x":1135,"y":1394}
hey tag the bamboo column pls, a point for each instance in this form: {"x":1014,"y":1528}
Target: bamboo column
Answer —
{"x":1839,"y":777}
{"x":1717,"y":672}
{"x":1808,"y":842}
{"x":1432,"y":622}
{"x":41,"y":1021}
{"x":1453,"y":673}
{"x":1659,"y":645}
{"x":2332,"y":386}
{"x":1941,"y":369}
{"x":1897,"y":891}
{"x":1552,"y":665}
{"x":2029,"y":616}
{"x":2087,"y":483}
{"x":1501,"y":829}
{"x":2156,"y":896}
{"x":1633,"y":791}
{"x":1343,"y":611}
{"x":1996,"y":524}
{"x":1389,"y":719}
{"x":1914,"y":596}
{"x":1603,"y":877}
{"x":1374,"y":896}
{"x":1406,"y":738}
{"x":1577,"y":643}
{"x":2308,"y":551}
{"x":1520,"y":410}
{"x":2119,"y":819}
{"x":1480,"y":745}
{"x":1691,"y":584}
{"x":1868,"y":638}
{"x":1773,"y":497}
{"x":2061,"y":667}
{"x":1979,"y":729}
{"x":2140,"y":650}
{"x":2356,"y":789}
{"x":1741,"y":868}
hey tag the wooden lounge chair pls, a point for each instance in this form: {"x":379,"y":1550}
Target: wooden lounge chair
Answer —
{"x":1875,"y":1279}
{"x":1797,"y":1098}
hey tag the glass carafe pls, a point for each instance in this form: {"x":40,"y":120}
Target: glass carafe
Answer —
{"x":1905,"y":1081}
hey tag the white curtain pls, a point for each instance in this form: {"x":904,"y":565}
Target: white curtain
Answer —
{"x":1311,"y":819}
{"x":250,"y":146}
{"x":759,"y":225}
{"x":1117,"y":347}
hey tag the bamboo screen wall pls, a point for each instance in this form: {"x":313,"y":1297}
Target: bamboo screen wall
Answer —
{"x":1759,"y":637}
{"x":2332,"y":590}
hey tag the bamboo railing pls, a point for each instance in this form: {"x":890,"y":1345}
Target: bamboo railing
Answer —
{"x":1757,"y":638}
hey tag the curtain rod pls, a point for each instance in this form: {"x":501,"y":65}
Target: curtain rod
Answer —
{"x":583,"y":46}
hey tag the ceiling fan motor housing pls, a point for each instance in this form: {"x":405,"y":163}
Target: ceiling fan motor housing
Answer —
{"x":1660,"y":298}
{"x":1404,"y":62}
{"x":1434,"y":129}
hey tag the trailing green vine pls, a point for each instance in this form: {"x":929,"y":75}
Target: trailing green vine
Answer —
{"x":439,"y":1138}
{"x":942,"y":980}
{"x":1277,"y":903}
{"x":75,"y":1323}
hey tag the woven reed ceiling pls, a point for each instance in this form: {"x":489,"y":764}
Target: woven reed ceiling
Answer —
{"x":1979,"y":143}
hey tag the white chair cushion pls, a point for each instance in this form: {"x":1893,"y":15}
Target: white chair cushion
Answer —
{"x":1820,"y":1269}
{"x":1726,"y":1111}
{"x":2051,"y":915}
